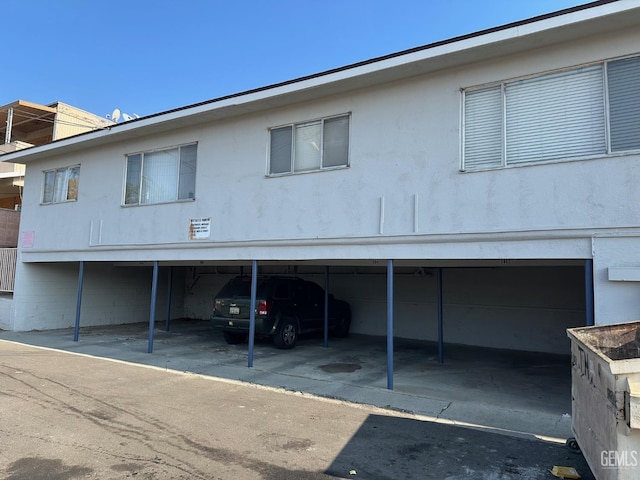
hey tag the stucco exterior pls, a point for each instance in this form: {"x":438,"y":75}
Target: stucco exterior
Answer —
{"x":403,"y":196}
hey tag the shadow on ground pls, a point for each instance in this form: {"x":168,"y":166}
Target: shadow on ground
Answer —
{"x":387,"y":447}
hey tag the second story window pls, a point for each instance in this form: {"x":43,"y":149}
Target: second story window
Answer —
{"x":161,"y":176}
{"x":61,"y":185}
{"x":589,"y":111}
{"x":309,"y":146}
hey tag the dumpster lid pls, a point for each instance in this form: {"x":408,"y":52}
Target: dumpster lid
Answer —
{"x":615,"y":342}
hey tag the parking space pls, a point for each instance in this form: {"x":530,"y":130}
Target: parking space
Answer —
{"x":518,"y":392}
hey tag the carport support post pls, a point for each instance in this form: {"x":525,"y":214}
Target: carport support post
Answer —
{"x":326,"y":307}
{"x":440,"y":317}
{"x":152,"y":314}
{"x":252,"y":311}
{"x":169,"y":291}
{"x":390,"y":324}
{"x":76,"y":330}
{"x":588,"y":292}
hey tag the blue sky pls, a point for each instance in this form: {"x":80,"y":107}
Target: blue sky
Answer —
{"x":148,"y":56}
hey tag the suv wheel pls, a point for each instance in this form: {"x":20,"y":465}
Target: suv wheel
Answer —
{"x":287,"y":334}
{"x":234,"y":338}
{"x":342,"y":327}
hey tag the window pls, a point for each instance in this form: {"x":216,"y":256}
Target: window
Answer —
{"x":310,"y":146}
{"x":61,"y":185}
{"x":553,"y":117}
{"x":161,"y":176}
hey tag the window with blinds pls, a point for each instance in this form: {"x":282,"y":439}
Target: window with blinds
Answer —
{"x":309,"y":146}
{"x":554,"y":117}
{"x":161,"y":176}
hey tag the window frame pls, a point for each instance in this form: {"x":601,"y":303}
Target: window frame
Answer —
{"x":139,"y":175}
{"x":605,"y":117}
{"x":322,"y":148}
{"x":71,"y":172}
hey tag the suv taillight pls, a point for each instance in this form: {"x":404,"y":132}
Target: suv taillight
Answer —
{"x":264,"y":307}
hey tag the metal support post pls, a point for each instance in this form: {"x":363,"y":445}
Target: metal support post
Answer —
{"x":169,"y":291}
{"x":152,"y":314}
{"x":390,"y":324}
{"x":440,"y":317}
{"x":326,"y":307}
{"x":76,"y":330}
{"x":252,"y":312}
{"x":588,"y":293}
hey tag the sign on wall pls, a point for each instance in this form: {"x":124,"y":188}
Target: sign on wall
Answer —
{"x":28,"y":239}
{"x":199,"y":228}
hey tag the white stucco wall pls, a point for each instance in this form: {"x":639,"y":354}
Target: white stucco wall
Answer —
{"x":6,"y":302}
{"x":46,"y":295}
{"x":404,"y":152}
{"x":404,"y":148}
{"x":616,"y":300}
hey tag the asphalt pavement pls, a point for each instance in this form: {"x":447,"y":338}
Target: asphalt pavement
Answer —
{"x":66,"y":415}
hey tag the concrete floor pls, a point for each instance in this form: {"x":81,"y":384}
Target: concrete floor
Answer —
{"x":518,"y":393}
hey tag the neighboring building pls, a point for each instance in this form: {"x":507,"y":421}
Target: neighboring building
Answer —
{"x":26,"y":124}
{"x":501,"y":165}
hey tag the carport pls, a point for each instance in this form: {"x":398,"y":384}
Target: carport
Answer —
{"x":439,"y":270}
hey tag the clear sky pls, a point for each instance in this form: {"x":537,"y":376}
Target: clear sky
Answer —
{"x":148,"y":56}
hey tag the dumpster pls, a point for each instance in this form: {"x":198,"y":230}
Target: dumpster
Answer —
{"x":605,"y":398}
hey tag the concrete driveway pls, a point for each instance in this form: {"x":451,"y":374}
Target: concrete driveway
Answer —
{"x":66,"y":415}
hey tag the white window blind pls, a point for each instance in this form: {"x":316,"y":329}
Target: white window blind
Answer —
{"x":483,"y":128}
{"x":161,"y":176}
{"x":558,"y":116}
{"x":623,"y":79}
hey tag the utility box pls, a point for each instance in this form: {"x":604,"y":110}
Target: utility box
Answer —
{"x":605,"y":393}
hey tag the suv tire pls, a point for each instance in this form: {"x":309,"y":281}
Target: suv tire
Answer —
{"x":342,"y":327}
{"x":286,"y":335}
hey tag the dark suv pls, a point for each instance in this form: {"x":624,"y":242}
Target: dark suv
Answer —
{"x":285,"y":308}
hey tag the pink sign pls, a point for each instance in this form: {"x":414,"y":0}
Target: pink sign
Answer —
{"x":28,"y":239}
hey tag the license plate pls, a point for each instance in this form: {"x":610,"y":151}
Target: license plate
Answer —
{"x":234,"y":310}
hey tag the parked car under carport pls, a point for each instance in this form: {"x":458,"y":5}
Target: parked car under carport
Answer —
{"x":285,"y":307}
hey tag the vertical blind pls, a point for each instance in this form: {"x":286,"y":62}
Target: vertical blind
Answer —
{"x":161,"y":176}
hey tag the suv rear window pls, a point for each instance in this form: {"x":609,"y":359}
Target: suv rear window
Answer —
{"x":241,"y":287}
